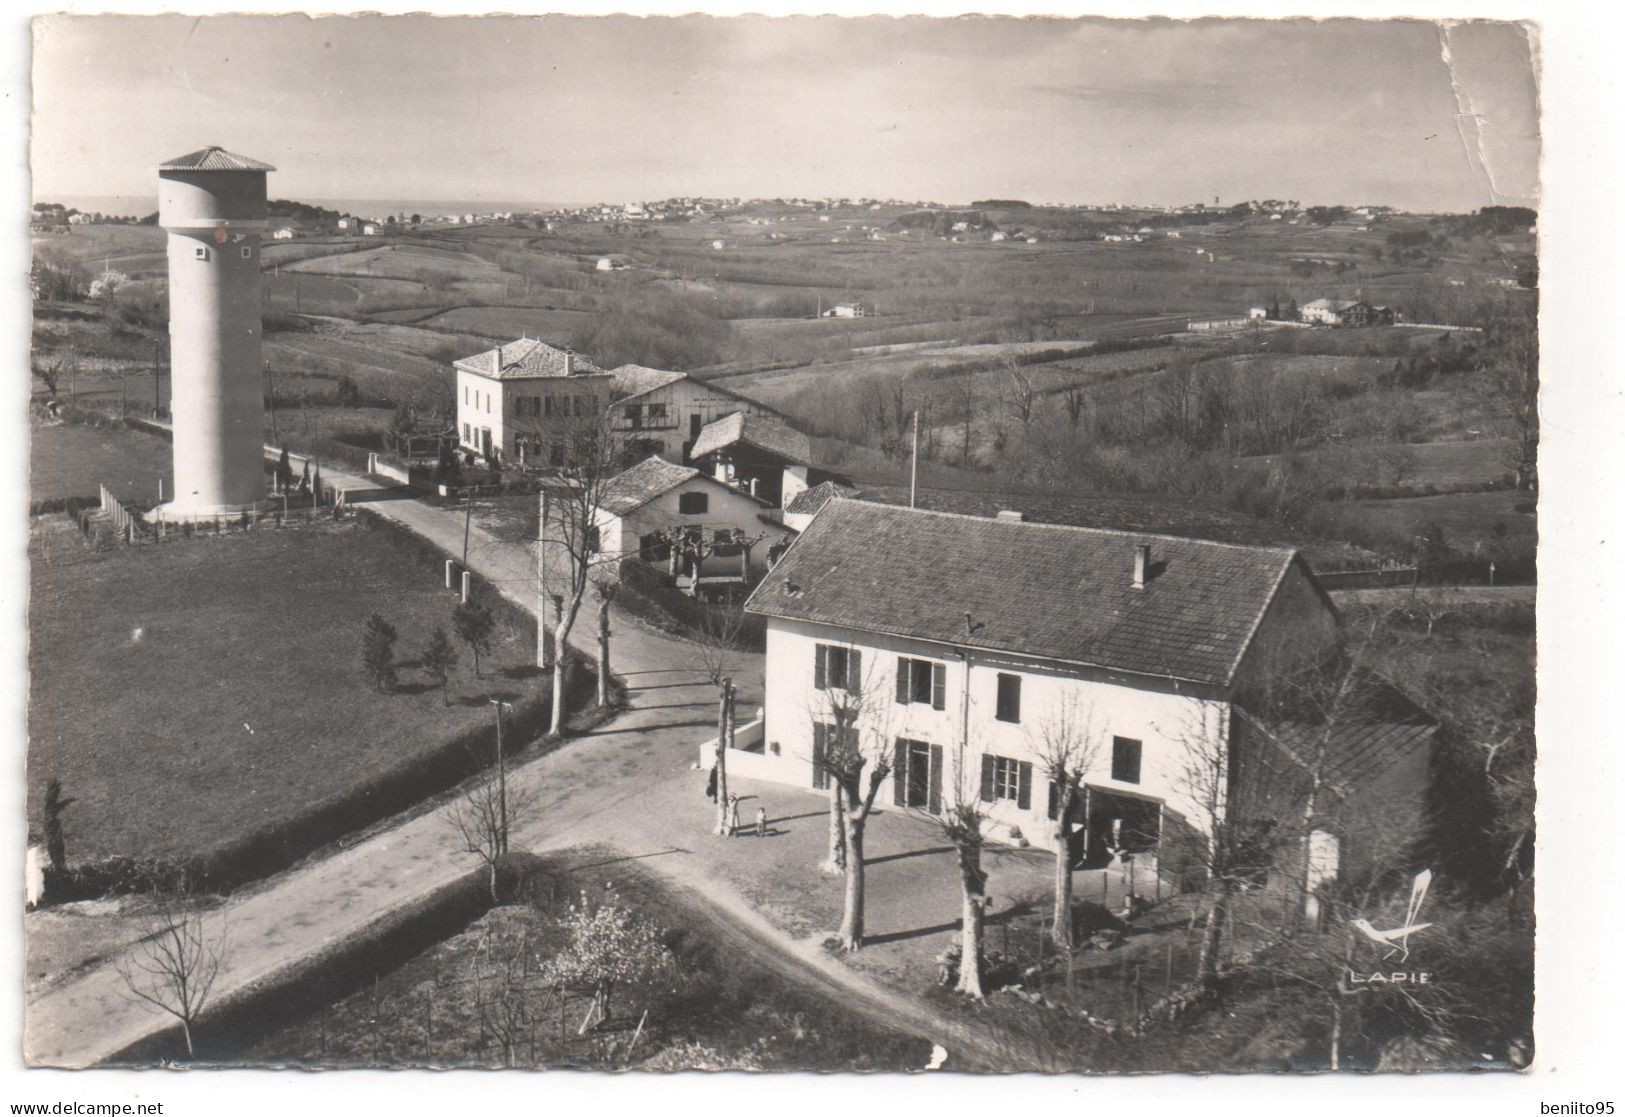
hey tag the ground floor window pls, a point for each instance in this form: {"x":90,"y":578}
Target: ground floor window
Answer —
{"x":1007,"y":779}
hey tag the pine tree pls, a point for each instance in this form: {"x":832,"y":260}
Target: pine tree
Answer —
{"x":474,"y":624}
{"x":56,"y":841}
{"x":438,"y":660}
{"x":378,"y":652}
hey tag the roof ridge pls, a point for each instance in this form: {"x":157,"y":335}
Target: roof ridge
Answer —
{"x":1278,"y":548}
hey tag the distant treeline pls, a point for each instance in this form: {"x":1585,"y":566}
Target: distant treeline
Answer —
{"x":281,"y":207}
{"x":1491,"y":221}
{"x":1002,"y":203}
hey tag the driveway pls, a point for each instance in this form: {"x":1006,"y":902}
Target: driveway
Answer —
{"x":630,"y":785}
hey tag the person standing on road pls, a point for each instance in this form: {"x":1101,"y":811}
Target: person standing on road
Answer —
{"x":732,"y":826}
{"x":711,"y":785}
{"x":761,"y":822}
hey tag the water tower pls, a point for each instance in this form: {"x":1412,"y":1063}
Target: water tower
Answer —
{"x":212,"y":205}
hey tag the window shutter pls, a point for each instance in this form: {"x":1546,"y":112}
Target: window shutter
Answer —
{"x":987,"y":778}
{"x":1024,"y":788}
{"x":854,"y":671}
{"x":939,"y":686}
{"x":899,"y":773}
{"x":936,"y":779}
{"x":819,"y":678}
{"x":902,"y":680}
{"x":820,"y":776}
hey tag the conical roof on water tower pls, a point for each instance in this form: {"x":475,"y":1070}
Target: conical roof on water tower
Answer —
{"x":213,"y":159}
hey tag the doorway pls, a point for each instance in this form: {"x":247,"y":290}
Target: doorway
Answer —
{"x":1121,"y":824}
{"x":917,"y":775}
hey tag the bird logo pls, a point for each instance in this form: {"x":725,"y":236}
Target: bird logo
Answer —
{"x":1397,"y":940}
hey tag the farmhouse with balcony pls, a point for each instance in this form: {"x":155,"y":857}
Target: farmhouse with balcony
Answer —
{"x":760,"y":454}
{"x":961,"y":641}
{"x":513,"y":400}
{"x":662,"y":412}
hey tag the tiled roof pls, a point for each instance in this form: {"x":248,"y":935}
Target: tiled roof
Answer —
{"x":767,"y":435}
{"x":634,"y":380}
{"x":1379,"y":727}
{"x":1043,"y":590}
{"x":654,"y":476}
{"x":809,"y":501}
{"x":213,"y":159}
{"x":524,"y":359}
{"x":1331,"y":304}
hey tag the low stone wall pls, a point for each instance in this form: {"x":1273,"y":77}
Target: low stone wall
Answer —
{"x":747,"y":758}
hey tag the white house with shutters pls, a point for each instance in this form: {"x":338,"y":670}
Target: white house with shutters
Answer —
{"x":959,"y":641}
{"x":510,"y":401}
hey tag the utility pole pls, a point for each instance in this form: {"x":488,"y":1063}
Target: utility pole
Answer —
{"x":157,"y":377}
{"x":502,"y":782}
{"x":468,"y":522}
{"x":914,"y":462}
{"x":73,"y":376}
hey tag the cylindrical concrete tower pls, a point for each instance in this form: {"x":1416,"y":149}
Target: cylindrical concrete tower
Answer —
{"x":212,"y":205}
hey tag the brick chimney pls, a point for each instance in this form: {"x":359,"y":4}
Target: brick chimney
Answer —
{"x":1142,"y":564}
{"x":569,"y":362}
{"x":496,"y":361}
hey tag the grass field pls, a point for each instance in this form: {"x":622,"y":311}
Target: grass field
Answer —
{"x":190,"y":694}
{"x":67,"y":460}
{"x":719,"y":1007}
{"x":1473,"y":523}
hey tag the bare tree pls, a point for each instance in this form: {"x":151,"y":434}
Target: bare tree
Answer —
{"x":510,"y":996}
{"x":485,"y":814}
{"x":718,"y":640}
{"x":1066,"y":744}
{"x":174,"y":965}
{"x":961,"y":823}
{"x":1077,"y":405}
{"x":606,"y":590}
{"x":1228,"y":844}
{"x":853,"y":746}
{"x":725,"y":721}
{"x":586,"y":439}
{"x":717,"y":643}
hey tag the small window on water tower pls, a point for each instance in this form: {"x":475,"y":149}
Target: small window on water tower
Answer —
{"x":248,"y":253}
{"x":201,"y":252}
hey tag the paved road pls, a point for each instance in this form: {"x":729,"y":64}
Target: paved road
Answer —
{"x":613,"y":786}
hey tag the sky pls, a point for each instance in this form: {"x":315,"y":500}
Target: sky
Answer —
{"x":1420,"y":115}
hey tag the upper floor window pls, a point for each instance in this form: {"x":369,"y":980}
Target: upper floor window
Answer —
{"x":920,"y":680}
{"x":1008,"y":707}
{"x":837,"y":668}
{"x":693,"y":504}
{"x":1125,"y":760}
{"x":634,"y":415}
{"x":657,"y":413}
